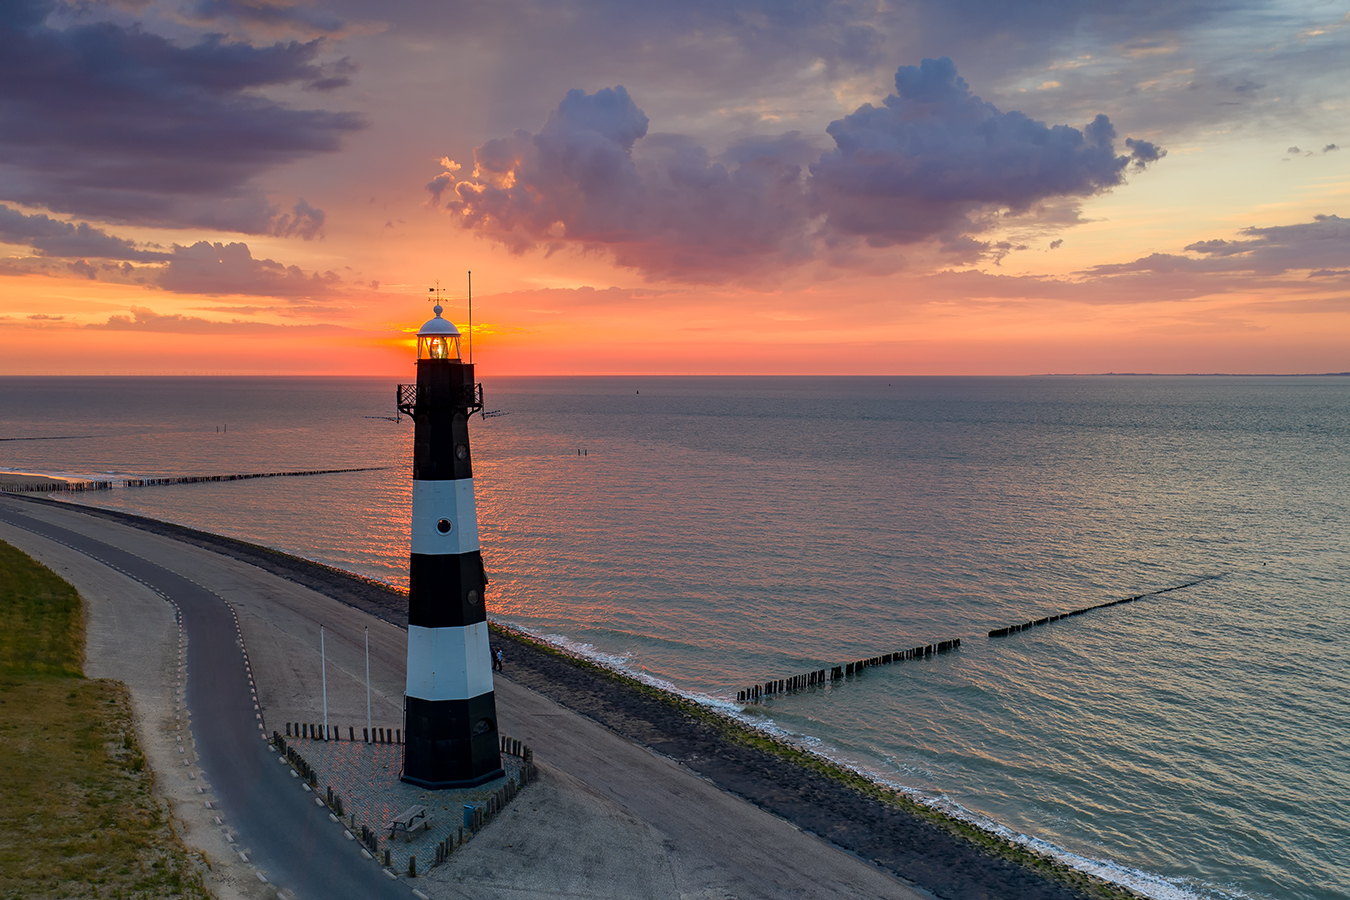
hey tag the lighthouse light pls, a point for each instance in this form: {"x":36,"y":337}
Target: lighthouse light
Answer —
{"x":438,"y":346}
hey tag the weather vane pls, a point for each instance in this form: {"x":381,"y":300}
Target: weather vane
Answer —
{"x":437,"y":295}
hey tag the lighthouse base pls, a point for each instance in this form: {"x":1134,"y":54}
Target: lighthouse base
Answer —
{"x":451,"y":743}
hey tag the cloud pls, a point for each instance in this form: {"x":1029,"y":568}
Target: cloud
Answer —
{"x":144,"y":319}
{"x":934,"y":156}
{"x":304,"y":220}
{"x":53,"y":237}
{"x":216,"y":268}
{"x":122,"y":125}
{"x":933,"y":164}
{"x":674,"y":211}
{"x":1322,"y":244}
{"x":286,"y":17}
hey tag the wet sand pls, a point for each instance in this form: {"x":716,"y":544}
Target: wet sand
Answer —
{"x":640,"y":796}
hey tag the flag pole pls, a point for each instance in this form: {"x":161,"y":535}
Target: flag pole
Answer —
{"x":323,"y":658}
{"x":367,"y":679}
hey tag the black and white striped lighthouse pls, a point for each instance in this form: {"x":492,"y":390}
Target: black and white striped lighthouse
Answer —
{"x":449,"y":713}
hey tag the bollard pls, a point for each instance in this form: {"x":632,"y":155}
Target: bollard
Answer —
{"x":365,"y":735}
{"x":412,"y":867}
{"x":288,"y":729}
{"x":468,"y":819}
{"x":398,"y":736}
{"x":351,"y":734}
{"x":306,"y":734}
{"x":386,"y":857}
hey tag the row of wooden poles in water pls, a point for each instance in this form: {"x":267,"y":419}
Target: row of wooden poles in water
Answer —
{"x":836,"y":673}
{"x":1013,"y":629}
{"x":77,"y":486}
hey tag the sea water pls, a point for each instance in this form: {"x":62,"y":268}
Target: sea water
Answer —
{"x":713,"y":533}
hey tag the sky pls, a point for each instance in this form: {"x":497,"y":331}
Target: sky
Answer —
{"x":893,"y":187}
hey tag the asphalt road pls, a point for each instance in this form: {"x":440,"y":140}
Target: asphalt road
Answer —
{"x":291,"y":839}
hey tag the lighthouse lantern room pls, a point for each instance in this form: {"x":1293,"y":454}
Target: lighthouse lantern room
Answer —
{"x":449,"y":711}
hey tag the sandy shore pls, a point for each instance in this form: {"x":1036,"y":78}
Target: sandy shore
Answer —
{"x":637,"y":797}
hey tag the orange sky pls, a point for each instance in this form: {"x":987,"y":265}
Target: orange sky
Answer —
{"x":779,"y":196}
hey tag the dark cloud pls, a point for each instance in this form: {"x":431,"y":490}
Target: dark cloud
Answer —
{"x":216,"y":269}
{"x":933,"y":164}
{"x":116,"y":123}
{"x":53,"y":237}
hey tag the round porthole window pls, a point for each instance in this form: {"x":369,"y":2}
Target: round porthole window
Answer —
{"x":444,"y":526}
{"x":461,"y":451}
{"x":473,"y":598}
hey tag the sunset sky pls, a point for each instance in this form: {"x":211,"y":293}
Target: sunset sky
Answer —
{"x":660,"y":187}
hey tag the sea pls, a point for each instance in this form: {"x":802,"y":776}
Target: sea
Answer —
{"x":709,"y":534}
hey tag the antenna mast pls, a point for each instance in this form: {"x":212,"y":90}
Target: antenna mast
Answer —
{"x":470,"y":317}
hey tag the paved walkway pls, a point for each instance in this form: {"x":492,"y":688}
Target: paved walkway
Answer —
{"x":365,"y":777}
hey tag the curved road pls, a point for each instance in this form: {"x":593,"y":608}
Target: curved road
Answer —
{"x":293,"y":840}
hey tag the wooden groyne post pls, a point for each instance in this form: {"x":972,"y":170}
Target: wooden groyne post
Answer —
{"x":845,"y":670}
{"x":1046,"y":620}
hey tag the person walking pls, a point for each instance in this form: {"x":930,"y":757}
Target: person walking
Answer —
{"x":497,"y":659}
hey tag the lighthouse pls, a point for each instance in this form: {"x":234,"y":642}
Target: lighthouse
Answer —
{"x":449,"y":712}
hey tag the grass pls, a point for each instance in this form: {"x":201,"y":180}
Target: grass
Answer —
{"x":737,"y":732}
{"x":78,"y":814}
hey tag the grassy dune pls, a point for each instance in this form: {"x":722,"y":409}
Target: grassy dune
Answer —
{"x":78,"y":816}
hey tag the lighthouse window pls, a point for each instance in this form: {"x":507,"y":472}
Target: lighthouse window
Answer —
{"x":444,"y":526}
{"x":473,"y":598}
{"x":462,"y":451}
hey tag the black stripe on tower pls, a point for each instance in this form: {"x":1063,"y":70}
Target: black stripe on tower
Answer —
{"x":450,"y":741}
{"x":446,"y":590}
{"x":441,"y":421}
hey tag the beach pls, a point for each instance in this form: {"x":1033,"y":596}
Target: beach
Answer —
{"x":637,"y":796}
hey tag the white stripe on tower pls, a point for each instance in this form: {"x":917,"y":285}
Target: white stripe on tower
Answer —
{"x":449,"y":663}
{"x":450,"y":502}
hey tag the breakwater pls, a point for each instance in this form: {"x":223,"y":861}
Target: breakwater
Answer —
{"x":43,"y":487}
{"x":1046,"y":620}
{"x":202,"y":479}
{"x":46,"y":487}
{"x":829,"y":674}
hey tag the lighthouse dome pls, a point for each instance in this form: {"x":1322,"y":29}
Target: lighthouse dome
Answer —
{"x":438,"y":338}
